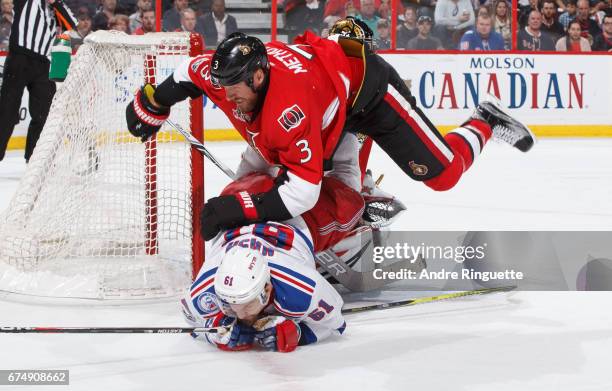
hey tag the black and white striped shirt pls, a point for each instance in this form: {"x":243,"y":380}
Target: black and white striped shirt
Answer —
{"x":35,"y":26}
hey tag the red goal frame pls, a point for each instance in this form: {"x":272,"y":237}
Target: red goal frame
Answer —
{"x":196,"y":110}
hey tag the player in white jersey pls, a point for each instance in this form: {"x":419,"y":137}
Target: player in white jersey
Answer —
{"x":261,"y":279}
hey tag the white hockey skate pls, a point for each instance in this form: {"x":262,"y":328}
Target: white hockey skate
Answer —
{"x":505,"y":128}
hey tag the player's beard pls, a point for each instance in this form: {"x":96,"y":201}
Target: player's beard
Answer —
{"x":247,"y":106}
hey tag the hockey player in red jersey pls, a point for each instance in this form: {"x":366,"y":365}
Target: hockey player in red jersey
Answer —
{"x":286,"y":103}
{"x":296,"y":105}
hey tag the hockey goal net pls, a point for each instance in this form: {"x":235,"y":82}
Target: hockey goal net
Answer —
{"x":98,"y":214}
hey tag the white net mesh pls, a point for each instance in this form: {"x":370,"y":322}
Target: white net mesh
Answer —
{"x":83,"y":222}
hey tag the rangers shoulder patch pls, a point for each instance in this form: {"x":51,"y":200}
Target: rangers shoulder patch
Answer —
{"x":291,"y":118}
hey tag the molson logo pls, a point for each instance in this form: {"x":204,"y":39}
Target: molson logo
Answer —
{"x":514,"y":80}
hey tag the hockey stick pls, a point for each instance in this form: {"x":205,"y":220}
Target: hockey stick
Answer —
{"x":200,"y":147}
{"x":179,"y":330}
{"x":112,"y":330}
{"x":429,"y":299}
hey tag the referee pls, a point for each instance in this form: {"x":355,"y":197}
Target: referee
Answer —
{"x":35,"y":25}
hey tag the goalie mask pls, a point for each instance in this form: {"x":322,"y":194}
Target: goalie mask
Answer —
{"x":242,"y":276}
{"x":236,"y":59}
{"x":351,"y":27}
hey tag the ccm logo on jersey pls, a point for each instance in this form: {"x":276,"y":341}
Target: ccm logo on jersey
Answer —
{"x":291,"y":118}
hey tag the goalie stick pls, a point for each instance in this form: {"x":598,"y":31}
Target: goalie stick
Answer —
{"x":183,"y":330}
{"x":428,"y":299}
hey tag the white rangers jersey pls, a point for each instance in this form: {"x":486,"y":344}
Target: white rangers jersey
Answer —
{"x":299,"y":292}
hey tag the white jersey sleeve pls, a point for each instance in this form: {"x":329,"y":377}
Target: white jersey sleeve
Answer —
{"x":324,"y":315}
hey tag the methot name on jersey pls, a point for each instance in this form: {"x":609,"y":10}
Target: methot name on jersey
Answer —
{"x":287,"y":58}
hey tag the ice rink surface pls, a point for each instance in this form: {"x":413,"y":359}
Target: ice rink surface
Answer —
{"x":509,"y":341}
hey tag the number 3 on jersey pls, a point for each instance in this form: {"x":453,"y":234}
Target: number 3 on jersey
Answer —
{"x":305,"y":149}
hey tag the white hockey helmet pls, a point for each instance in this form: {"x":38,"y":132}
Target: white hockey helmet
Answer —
{"x":242,"y":276}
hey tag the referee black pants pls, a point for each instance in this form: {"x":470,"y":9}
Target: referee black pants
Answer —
{"x":20,"y":72}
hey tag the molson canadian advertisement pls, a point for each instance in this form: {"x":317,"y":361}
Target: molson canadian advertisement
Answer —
{"x":557,"y":95}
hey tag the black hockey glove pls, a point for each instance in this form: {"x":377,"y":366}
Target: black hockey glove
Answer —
{"x":144,"y":119}
{"x":228,"y":211}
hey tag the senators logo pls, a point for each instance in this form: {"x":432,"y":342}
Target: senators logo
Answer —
{"x":291,"y":118}
{"x":244,"y":49}
{"x":418,"y":169}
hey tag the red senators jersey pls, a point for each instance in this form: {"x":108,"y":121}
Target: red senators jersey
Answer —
{"x":302,"y":116}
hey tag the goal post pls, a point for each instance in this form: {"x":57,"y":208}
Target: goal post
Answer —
{"x":98,"y":214}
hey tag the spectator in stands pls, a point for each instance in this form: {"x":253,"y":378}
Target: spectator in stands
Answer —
{"x":201,"y":7}
{"x":453,"y":18}
{"x":83,"y":29}
{"x":482,"y":10}
{"x":217,"y":24}
{"x":172,"y":18}
{"x":532,"y":37}
{"x":384,"y":35}
{"x":423,"y":6}
{"x":148,"y":23}
{"x":589,"y":27}
{"x":572,"y":41}
{"x":126,"y":7}
{"x":525,"y":10}
{"x":502,"y":22}
{"x":560,"y":4}
{"x":369,"y":17}
{"x":301,"y":15}
{"x":6,"y":21}
{"x":424,"y":40}
{"x":482,"y":37}
{"x":384,"y":9}
{"x":6,"y":10}
{"x":189,"y":22}
{"x":135,"y":21}
{"x":350,"y":9}
{"x":550,"y":24}
{"x":408,"y":29}
{"x":104,"y":15}
{"x":119,"y":22}
{"x":603,"y":41}
{"x":82,"y":6}
{"x":569,"y":14}
{"x":339,"y":9}
{"x":599,"y":12}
